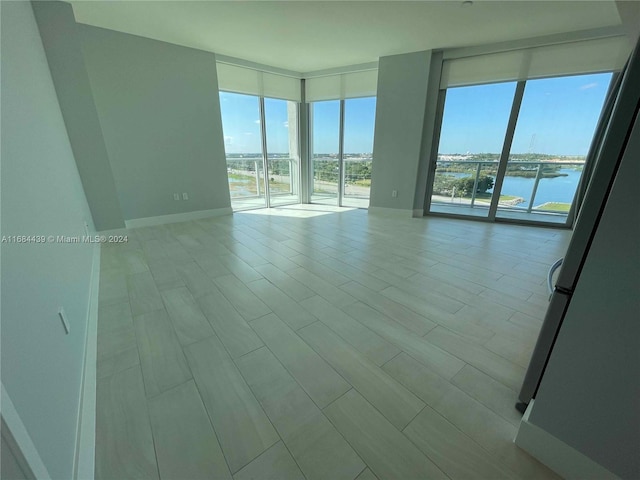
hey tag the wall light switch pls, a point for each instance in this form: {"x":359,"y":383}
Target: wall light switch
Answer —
{"x":63,"y":317}
{"x":176,"y":196}
{"x":394,"y":193}
{"x":185,"y":196}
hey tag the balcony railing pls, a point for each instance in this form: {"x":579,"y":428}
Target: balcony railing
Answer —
{"x":246,"y":176}
{"x":555,"y":198}
{"x":326,"y":176}
{"x":357,"y":185}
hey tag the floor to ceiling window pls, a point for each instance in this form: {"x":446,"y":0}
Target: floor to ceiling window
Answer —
{"x":281,"y":128}
{"x":243,"y":147}
{"x":471,"y":138}
{"x":325,"y":151}
{"x":545,"y":156}
{"x":262,"y":163}
{"x":357,"y":156}
{"x":556,"y":123}
{"x":516,"y":129}
{"x":341,"y":151}
{"x":260,"y":123}
{"x":342,"y":112}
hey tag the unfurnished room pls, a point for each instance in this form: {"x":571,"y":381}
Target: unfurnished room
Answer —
{"x":322,"y":240}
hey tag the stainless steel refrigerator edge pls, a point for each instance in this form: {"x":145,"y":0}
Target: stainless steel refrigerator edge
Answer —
{"x":614,"y":139}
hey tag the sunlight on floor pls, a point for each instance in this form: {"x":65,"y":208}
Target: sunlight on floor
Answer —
{"x":299,"y":210}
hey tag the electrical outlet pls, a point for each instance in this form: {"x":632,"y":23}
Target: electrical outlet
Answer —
{"x":176,"y":196}
{"x":185,"y":196}
{"x":394,"y":193}
{"x":63,"y":317}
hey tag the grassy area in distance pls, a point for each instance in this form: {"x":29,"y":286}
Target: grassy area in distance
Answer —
{"x":554,"y":207}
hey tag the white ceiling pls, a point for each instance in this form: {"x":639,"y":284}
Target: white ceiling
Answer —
{"x":305,"y":36}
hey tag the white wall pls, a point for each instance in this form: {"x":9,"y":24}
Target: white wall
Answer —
{"x":159,"y":109}
{"x":590,"y":392}
{"x":400,"y":114}
{"x":59,"y":34}
{"x":429,"y":148}
{"x":41,"y":195}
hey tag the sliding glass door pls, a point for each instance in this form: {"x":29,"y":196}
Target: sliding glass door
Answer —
{"x":281,"y":128}
{"x":516,"y":150}
{"x":357,"y":157}
{"x":341,"y":151}
{"x":556,"y":123}
{"x":471,"y":139}
{"x":325,"y":152}
{"x":244,"y":149}
{"x":261,"y":145}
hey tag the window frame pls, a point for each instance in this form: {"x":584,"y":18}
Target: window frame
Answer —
{"x":504,"y":158}
{"x":265,"y":153}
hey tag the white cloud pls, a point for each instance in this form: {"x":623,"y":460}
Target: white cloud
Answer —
{"x":285,"y":124}
{"x":588,"y":86}
{"x":257,"y":121}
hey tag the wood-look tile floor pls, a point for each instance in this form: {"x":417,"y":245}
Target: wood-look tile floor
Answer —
{"x":320,"y":343}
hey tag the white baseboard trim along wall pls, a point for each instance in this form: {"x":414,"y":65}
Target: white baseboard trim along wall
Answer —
{"x":176,"y":217}
{"x":557,"y":455}
{"x":84,"y":462}
{"x":394,"y":212}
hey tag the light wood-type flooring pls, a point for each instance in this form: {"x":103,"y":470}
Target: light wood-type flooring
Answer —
{"x":320,"y":343}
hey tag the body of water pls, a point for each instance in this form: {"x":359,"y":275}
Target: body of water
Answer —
{"x":556,"y":189}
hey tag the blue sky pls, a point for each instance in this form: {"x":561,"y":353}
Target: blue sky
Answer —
{"x":241,"y":124}
{"x":359,"y":120}
{"x":557,"y":116}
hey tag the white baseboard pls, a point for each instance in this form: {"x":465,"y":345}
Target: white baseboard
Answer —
{"x":23,"y":442}
{"x":391,"y":212}
{"x":418,"y":213}
{"x":115,"y":231}
{"x":177,"y":217}
{"x":84,"y":461}
{"x":557,"y":455}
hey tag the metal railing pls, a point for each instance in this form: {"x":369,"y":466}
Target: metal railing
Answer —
{"x":326,"y":176}
{"x":253,"y":168}
{"x":355,"y":190}
{"x":491,"y":168}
